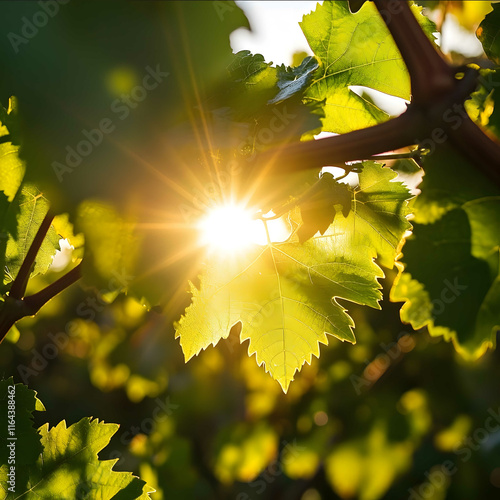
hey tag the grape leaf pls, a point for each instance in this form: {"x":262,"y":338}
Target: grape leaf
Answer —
{"x":354,"y":49}
{"x":69,"y":465}
{"x":265,"y":103}
{"x":62,"y":462}
{"x":11,"y":175}
{"x":451,"y":280}
{"x":488,"y":33}
{"x":285,"y":294}
{"x":293,"y":81}
{"x":461,"y":293}
{"x":481,"y":105}
{"x":27,"y":445}
{"x":32,"y":206}
{"x":12,"y":168}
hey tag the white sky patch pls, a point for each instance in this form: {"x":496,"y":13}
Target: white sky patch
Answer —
{"x":352,"y":178}
{"x":276,"y":33}
{"x":390,"y":104}
{"x":457,"y":39}
{"x":62,"y":257}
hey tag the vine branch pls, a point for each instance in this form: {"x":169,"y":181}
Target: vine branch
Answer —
{"x":19,"y":284}
{"x":15,"y":305}
{"x":36,"y":301}
{"x":16,"y":308}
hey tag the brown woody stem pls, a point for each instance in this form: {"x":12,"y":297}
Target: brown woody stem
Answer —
{"x":14,"y":309}
{"x":358,"y":145}
{"x":431,"y":76}
{"x":21,"y":281}
{"x":36,"y":301}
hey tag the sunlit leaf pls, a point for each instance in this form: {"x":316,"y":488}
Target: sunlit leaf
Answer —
{"x":33,"y":206}
{"x":354,"y":49}
{"x":60,"y":462}
{"x":12,"y":168}
{"x":27,"y":445}
{"x":286,"y":295}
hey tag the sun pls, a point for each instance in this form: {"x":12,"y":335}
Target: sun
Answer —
{"x":230,"y":228}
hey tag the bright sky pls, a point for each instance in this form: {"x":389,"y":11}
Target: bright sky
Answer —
{"x":276,"y":33}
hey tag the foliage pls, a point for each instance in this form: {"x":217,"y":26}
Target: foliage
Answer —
{"x":282,"y":293}
{"x":123,"y":143}
{"x":60,"y":462}
{"x":451,"y":280}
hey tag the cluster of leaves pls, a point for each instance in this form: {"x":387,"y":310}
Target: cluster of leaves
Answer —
{"x":451,"y":282}
{"x":285,"y":298}
{"x":285,"y":295}
{"x":230,"y":430}
{"x":318,"y":87}
{"x":376,"y":220}
{"x":282,"y":293}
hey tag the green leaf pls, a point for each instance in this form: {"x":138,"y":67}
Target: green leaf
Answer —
{"x":484,"y":106}
{"x":488,"y":33}
{"x":293,"y":81}
{"x":447,"y":185}
{"x":451,"y":280}
{"x":32,"y":206}
{"x":70,"y":459}
{"x":11,"y":175}
{"x":354,"y":49}
{"x":60,"y":462}
{"x":69,"y":467}
{"x":286,"y":294}
{"x":459,"y":286}
{"x":27,"y":440}
{"x":11,"y":167}
{"x":269,"y":99}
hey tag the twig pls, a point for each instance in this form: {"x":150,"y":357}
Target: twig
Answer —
{"x":358,"y":145}
{"x":14,"y":309}
{"x":18,"y":287}
{"x":36,"y":301}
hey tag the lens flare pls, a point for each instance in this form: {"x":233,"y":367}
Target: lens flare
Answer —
{"x":231,"y":228}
